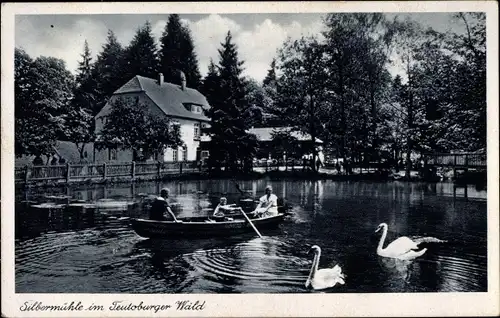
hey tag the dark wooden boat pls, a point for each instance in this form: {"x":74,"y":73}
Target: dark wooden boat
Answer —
{"x":201,"y":227}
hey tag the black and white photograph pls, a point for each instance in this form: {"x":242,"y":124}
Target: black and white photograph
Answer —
{"x":310,"y":152}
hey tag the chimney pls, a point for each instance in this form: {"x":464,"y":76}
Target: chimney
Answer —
{"x":183,"y":81}
{"x":160,"y":79}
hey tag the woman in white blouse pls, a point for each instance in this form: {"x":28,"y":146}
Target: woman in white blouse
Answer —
{"x":268,"y":204}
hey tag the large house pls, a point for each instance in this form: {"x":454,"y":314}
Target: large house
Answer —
{"x":183,"y":105}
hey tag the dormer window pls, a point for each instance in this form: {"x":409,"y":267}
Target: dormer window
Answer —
{"x":193,"y":108}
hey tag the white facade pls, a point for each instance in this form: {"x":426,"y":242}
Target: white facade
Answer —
{"x":190,"y":134}
{"x":190,"y":130}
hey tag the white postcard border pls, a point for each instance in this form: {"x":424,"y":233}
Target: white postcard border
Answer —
{"x":228,"y":305}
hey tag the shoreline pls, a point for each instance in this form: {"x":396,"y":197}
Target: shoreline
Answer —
{"x":476,"y":178}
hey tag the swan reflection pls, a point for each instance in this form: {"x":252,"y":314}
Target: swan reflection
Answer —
{"x":397,"y":268}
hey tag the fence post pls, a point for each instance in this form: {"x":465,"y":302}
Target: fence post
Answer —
{"x":26,"y":172}
{"x":133,"y":170}
{"x":67,"y":172}
{"x":466,"y":161}
{"x":104,"y":171}
{"x":159,"y":169}
{"x":180,"y":167}
{"x":455,"y":167}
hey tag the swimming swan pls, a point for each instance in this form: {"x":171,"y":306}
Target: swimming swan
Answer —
{"x":323,"y":278}
{"x":402,"y":248}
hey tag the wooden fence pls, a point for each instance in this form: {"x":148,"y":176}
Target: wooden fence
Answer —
{"x":290,"y":164}
{"x":80,"y":172}
{"x":459,"y":160}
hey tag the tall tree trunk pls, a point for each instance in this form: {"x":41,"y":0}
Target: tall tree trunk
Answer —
{"x":342,"y":112}
{"x":313,"y":132}
{"x":80,"y":149}
{"x":409,"y":141}
{"x":374,"y":116}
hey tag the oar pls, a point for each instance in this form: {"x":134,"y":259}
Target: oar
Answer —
{"x":243,"y":212}
{"x":253,"y":226}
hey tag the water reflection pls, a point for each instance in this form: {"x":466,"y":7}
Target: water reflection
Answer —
{"x":91,"y":248}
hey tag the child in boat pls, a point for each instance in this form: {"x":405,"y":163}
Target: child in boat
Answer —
{"x":160,"y":206}
{"x":223,"y":208}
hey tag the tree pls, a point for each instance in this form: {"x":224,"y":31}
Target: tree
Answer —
{"x":409,"y":39}
{"x":78,"y":120}
{"x":79,"y":128}
{"x":230,"y":144}
{"x":270,"y":78}
{"x":120,"y":131}
{"x":255,"y":100}
{"x":302,"y":94}
{"x":210,"y":87}
{"x":470,"y":86}
{"x":444,"y":96}
{"x":356,"y":45}
{"x":271,"y":117}
{"x":141,"y":56}
{"x":43,"y":90}
{"x":177,"y":53}
{"x":107,"y":71}
{"x":284,"y":143}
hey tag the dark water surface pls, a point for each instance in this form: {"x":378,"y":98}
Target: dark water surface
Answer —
{"x":69,"y":252}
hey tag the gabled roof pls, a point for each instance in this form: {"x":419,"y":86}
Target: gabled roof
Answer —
{"x":169,"y":97}
{"x":266,"y":134}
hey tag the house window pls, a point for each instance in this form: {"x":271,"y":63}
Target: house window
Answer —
{"x":175,"y":153}
{"x":112,"y":154}
{"x":195,"y":109}
{"x":196,"y":131}
{"x":204,"y":154}
{"x":184,"y":154}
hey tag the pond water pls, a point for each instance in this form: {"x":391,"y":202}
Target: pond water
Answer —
{"x":61,"y":252}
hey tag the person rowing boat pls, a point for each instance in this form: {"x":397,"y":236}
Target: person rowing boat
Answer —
{"x":160,"y":206}
{"x":268,"y":204}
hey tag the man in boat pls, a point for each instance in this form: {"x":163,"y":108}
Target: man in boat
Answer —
{"x":223,"y":208}
{"x":268,"y":204}
{"x":160,"y":206}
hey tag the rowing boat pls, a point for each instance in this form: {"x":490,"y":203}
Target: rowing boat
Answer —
{"x":201,"y":227}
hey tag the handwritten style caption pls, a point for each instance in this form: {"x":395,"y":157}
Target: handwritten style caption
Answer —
{"x":117,"y":305}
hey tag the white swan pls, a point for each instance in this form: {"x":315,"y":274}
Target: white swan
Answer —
{"x":323,"y":278}
{"x":402,"y":248}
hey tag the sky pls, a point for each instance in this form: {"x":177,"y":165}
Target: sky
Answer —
{"x":258,"y":36}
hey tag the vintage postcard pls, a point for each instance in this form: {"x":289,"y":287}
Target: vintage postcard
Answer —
{"x":270,"y":159}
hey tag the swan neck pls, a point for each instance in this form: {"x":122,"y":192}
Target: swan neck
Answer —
{"x":382,"y":239}
{"x":314,"y":267}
